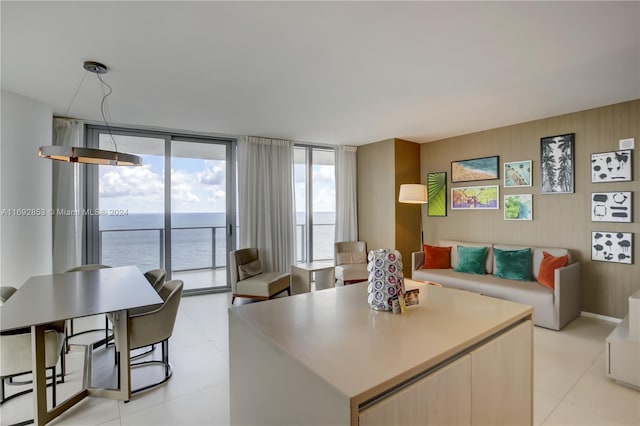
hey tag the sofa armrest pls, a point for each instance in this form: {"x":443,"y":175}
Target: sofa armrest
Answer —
{"x":568,"y":293}
{"x":417,"y":260}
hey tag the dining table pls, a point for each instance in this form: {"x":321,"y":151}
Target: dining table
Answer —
{"x":46,"y":299}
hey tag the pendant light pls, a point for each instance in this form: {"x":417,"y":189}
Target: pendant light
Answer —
{"x":72,"y":154}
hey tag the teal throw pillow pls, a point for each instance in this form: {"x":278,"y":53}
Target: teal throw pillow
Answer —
{"x":513,"y":264}
{"x":471,"y":260}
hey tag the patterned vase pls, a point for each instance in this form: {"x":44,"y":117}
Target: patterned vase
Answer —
{"x":385,"y":278}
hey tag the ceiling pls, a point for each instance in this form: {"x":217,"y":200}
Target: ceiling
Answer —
{"x":324,"y":72}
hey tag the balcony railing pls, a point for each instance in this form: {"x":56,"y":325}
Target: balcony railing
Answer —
{"x":193,"y":248}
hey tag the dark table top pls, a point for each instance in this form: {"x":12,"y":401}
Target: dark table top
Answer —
{"x":49,"y":298}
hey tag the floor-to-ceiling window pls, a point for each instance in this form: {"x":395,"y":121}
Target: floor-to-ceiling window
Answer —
{"x":183,"y":186}
{"x":315,"y":193}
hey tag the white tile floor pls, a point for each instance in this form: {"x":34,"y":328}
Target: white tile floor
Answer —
{"x":570,"y":387}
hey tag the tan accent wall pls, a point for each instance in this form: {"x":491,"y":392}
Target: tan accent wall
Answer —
{"x":376,"y":187}
{"x":407,"y":168}
{"x":560,"y":220}
{"x":382,"y":221}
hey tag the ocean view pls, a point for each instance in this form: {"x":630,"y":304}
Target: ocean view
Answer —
{"x":139,"y":239}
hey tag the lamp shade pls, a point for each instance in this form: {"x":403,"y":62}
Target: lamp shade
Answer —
{"x":413,"y":193}
{"x":88,"y":156}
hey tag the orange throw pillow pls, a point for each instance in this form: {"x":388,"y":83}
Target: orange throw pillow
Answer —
{"x":436,"y":257}
{"x":547,"y":266}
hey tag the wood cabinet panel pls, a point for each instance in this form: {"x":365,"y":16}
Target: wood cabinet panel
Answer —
{"x":441,"y":398}
{"x":501,"y":379}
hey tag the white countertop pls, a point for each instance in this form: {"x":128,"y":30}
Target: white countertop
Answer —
{"x":360,"y":351}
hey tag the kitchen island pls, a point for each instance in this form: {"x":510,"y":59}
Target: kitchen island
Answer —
{"x":326,"y":358}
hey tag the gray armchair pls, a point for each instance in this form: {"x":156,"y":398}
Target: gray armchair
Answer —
{"x":70,"y":333}
{"x":248,"y":279}
{"x":351,"y":262}
{"x":156,"y":277}
{"x":16,"y":353}
{"x":155,"y":326}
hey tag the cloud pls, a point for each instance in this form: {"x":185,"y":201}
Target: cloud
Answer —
{"x":214,"y":173}
{"x":182,"y":187}
{"x":139,"y":182}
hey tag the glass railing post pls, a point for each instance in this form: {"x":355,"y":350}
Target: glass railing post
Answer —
{"x":213,"y":247}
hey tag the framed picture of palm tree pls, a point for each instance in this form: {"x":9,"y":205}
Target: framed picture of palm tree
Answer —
{"x":437,"y":194}
{"x":557,"y":164}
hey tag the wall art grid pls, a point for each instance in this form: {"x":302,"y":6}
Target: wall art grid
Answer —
{"x":616,"y":247}
{"x":614,"y":166}
{"x":612,"y":207}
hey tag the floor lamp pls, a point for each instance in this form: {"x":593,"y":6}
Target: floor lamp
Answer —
{"x":414,"y":193}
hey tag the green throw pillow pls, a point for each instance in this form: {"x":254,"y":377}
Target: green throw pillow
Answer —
{"x":471,"y":260}
{"x":513,"y":264}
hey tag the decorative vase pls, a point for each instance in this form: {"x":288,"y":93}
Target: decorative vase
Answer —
{"x":386,"y":280}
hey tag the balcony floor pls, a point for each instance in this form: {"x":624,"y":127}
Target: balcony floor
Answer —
{"x":202,"y":279}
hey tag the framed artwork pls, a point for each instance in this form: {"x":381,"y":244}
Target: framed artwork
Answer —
{"x":517,"y":173}
{"x":612,"y":207}
{"x":485,"y":168}
{"x":437,"y":194}
{"x":612,"y":166}
{"x":557,"y":164}
{"x":475,"y":197}
{"x":518,"y":207}
{"x":616,"y":247}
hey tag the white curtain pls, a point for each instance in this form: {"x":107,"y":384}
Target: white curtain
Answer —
{"x":67,"y":187}
{"x":266,"y":200}
{"x":346,"y":194}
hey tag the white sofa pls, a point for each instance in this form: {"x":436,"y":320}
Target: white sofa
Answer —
{"x":552,"y":308}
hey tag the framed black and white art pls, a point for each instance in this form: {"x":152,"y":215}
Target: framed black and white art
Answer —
{"x":612,"y":207}
{"x":557,"y":164}
{"x":616,"y":247}
{"x":614,"y":166}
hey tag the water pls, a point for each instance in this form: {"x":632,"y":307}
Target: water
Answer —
{"x":190,"y":248}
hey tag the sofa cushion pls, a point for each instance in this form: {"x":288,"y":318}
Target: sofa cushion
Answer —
{"x":513,"y":264}
{"x":488,"y":265}
{"x":250,"y":269}
{"x":437,"y":257}
{"x":536,"y":255}
{"x":351,"y":257}
{"x":265,"y":284}
{"x":352,"y":272}
{"x":548,"y":265}
{"x":471,"y":260}
{"x":526,"y":292}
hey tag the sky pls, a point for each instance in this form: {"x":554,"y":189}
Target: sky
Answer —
{"x":196,"y":186}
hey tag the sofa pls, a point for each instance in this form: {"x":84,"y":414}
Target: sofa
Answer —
{"x":553,"y":307}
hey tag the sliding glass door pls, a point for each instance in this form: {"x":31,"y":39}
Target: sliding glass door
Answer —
{"x":200,"y":231}
{"x":315,"y":193}
{"x":182,"y":187}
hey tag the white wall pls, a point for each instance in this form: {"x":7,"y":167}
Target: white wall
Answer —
{"x":25,"y":183}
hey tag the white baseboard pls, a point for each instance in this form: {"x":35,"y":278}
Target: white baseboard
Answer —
{"x":602,"y":317}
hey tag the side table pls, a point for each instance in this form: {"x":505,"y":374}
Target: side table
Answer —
{"x":302,"y":275}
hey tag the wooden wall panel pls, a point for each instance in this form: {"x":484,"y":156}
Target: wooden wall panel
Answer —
{"x":376,"y":192}
{"x":562,"y":220}
{"x":407,"y":170}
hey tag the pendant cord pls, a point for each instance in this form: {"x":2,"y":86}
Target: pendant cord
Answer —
{"x":75,"y":94}
{"x":104,"y":107}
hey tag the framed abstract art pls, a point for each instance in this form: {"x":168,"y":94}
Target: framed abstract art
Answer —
{"x":437,"y":194}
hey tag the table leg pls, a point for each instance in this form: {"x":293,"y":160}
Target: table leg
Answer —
{"x":300,"y":280}
{"x":120,"y":322}
{"x":325,"y":278}
{"x":39,"y":371}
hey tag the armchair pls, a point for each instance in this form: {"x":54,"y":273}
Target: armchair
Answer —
{"x":351,"y":262}
{"x":70,"y":333}
{"x":156,"y":326}
{"x":248,"y":279}
{"x":16,"y":358}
